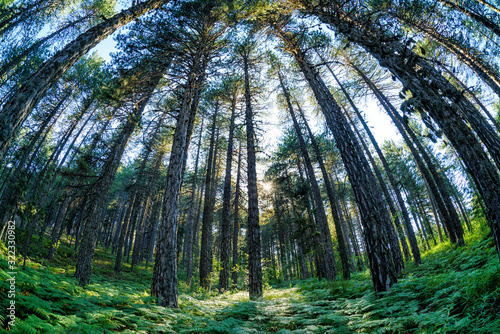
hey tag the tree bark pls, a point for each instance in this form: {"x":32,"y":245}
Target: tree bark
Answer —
{"x":236,"y":225}
{"x":149,"y":192}
{"x":11,"y":194}
{"x":123,"y":232}
{"x":278,"y":214}
{"x":490,"y":6}
{"x":164,"y":285}
{"x":484,"y":70}
{"x":17,"y":59}
{"x":395,"y":248}
{"x":208,"y":208}
{"x":190,"y":228}
{"x":406,"y":218}
{"x":253,"y":228}
{"x":455,"y":225}
{"x":226,"y":203}
{"x":474,"y":97}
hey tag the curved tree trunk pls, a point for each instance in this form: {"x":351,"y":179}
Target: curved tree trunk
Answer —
{"x":21,"y":14}
{"x":462,"y":85}
{"x":278,"y":213}
{"x":97,"y":200}
{"x":404,"y":211}
{"x":16,"y":60}
{"x":134,"y":207}
{"x":11,"y":194}
{"x":455,"y":226}
{"x":58,"y":226}
{"x":149,"y":193}
{"x":395,"y":248}
{"x":481,"y":67}
{"x":123,"y":232}
{"x":398,"y":262}
{"x":490,"y":6}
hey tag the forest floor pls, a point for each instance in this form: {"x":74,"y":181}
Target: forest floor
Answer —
{"x":455,"y":290}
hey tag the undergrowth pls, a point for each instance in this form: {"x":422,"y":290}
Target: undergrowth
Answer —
{"x":455,"y":290}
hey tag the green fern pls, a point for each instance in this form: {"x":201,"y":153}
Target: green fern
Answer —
{"x":24,"y":328}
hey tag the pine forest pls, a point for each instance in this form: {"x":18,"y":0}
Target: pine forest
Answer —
{"x":249,"y":166}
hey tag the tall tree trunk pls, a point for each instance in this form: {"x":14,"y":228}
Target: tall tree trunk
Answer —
{"x":123,"y":231}
{"x":114,"y":238}
{"x":322,"y":221}
{"x":208,"y":208}
{"x":398,"y":261}
{"x":278,"y":214}
{"x":253,"y":228}
{"x":366,"y":191}
{"x":58,"y":225}
{"x":187,"y":252}
{"x":198,"y":89}
{"x":149,"y":193}
{"x":134,"y":207}
{"x":308,"y":231}
{"x":164,"y":285}
{"x":216,"y":168}
{"x":332,"y":198}
{"x":448,"y":219}
{"x":236,"y":225}
{"x":226,"y":203}
{"x":196,"y":248}
{"x":98,"y":192}
{"x":395,"y":248}
{"x":406,"y":218}
{"x":455,"y":225}
{"x":29,"y":152}
{"x":155,"y":217}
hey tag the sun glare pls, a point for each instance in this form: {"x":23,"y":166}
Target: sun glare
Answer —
{"x":267,"y":186}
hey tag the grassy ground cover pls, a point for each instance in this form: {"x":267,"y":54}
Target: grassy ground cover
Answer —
{"x":455,"y":290}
